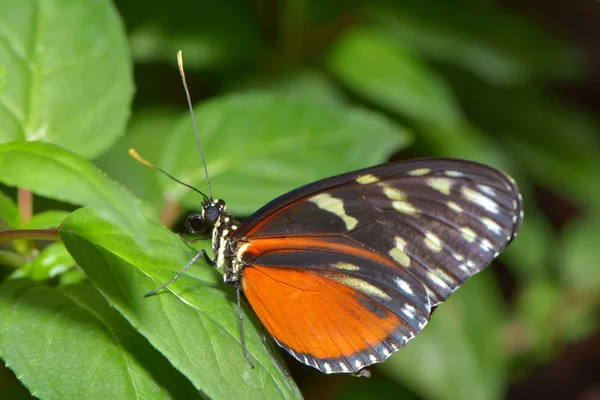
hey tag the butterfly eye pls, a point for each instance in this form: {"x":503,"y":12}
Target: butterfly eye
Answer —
{"x":211,"y":214}
{"x":195,"y":224}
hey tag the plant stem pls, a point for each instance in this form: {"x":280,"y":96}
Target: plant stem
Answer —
{"x":30,"y":234}
{"x":25,"y":202}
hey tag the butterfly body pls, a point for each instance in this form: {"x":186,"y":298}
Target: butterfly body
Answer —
{"x":343,"y":272}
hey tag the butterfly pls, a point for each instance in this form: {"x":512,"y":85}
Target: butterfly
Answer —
{"x":345,"y":271}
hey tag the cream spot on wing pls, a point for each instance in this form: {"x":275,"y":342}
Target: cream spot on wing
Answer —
{"x":433,"y":242}
{"x":367,"y":179}
{"x":404,"y":207}
{"x":393,"y":193}
{"x":455,"y":207}
{"x":360,"y":285}
{"x":419,"y":172}
{"x":468,"y":234}
{"x":346,"y":266}
{"x":442,"y":185}
{"x":480,"y":199}
{"x":335,"y":206}
{"x":398,"y":254}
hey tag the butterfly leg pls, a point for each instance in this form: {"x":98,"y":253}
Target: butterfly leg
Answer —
{"x":189,"y":264}
{"x":238,"y":292}
{"x":269,"y":347}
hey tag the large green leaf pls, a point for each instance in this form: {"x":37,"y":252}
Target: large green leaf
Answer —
{"x":2,"y":78}
{"x":381,"y":69}
{"x":460,"y":354}
{"x":67,"y":343}
{"x":260,"y":145}
{"x":193,"y":322}
{"x":53,"y":172}
{"x":70,"y":74}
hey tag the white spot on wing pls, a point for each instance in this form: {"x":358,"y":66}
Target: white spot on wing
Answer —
{"x":492,"y":225}
{"x":454,"y":174}
{"x":372,"y":358}
{"x":327,"y":367}
{"x":403,"y":285}
{"x":358,"y":364}
{"x":343,"y":366}
{"x":479,"y":199}
{"x":487,"y":190}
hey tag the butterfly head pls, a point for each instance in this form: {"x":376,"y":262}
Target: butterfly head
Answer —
{"x":210,"y":217}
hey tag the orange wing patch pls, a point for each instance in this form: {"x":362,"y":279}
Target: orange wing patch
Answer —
{"x":320,"y":321}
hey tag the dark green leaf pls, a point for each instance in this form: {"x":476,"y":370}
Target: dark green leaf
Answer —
{"x":58,"y":174}
{"x":68,"y":343}
{"x":260,"y":145}
{"x":382,"y":69}
{"x":193,"y":322}
{"x":578,"y":261}
{"x":211,"y":34}
{"x":460,"y":354}
{"x":70,"y":74}
{"x":478,"y":39}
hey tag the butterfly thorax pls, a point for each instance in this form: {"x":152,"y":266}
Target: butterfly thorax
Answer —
{"x":222,"y":244}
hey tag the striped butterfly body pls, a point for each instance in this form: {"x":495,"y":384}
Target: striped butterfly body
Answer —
{"x":345,"y":271}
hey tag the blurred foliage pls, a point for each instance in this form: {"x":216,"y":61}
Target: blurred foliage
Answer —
{"x":287,"y":92}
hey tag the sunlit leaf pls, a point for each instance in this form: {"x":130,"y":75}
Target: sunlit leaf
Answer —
{"x":68,"y":343}
{"x":70,"y":74}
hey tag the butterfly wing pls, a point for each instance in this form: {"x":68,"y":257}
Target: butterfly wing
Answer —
{"x":346,"y":270}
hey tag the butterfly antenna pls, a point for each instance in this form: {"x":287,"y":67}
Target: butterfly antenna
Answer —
{"x":189,"y":101}
{"x":135,"y":155}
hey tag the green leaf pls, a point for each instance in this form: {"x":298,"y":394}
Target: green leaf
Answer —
{"x":460,"y":354}
{"x":477,"y":39}
{"x":68,"y":343}
{"x":70,"y":75}
{"x":146,"y":133}
{"x":53,"y":172}
{"x":2,"y":78}
{"x":46,"y":219}
{"x":381,"y":69}
{"x":53,"y":260}
{"x":193,"y":322}
{"x":578,"y":260}
{"x":9,"y":212}
{"x":261,"y":145}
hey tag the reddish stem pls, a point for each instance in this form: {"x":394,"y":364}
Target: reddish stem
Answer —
{"x":25,"y":202}
{"x":30,"y":234}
